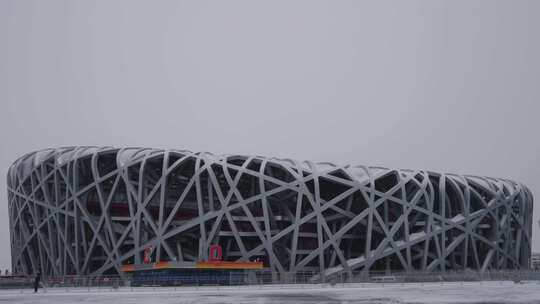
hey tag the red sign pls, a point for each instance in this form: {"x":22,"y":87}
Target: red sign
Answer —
{"x":148,"y":254}
{"x":215,"y":254}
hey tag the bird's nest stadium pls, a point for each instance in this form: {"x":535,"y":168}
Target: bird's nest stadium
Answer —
{"x":93,"y":210}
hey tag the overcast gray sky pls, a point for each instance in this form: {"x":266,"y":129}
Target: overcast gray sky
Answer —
{"x":451,"y":86}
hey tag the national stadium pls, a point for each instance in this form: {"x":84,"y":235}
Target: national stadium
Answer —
{"x":106,"y":210}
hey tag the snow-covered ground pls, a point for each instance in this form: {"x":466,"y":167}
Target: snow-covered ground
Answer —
{"x":484,"y":292}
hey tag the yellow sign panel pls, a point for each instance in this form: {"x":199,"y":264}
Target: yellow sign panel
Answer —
{"x":229,"y":265}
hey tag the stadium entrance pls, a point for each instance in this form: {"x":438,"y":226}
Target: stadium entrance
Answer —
{"x":215,"y":271}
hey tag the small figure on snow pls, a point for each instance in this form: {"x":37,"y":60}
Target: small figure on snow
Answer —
{"x":37,"y":280}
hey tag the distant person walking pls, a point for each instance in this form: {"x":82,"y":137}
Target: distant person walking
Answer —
{"x":37,"y":280}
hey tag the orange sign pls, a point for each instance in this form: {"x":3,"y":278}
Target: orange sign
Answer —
{"x":229,"y":265}
{"x":162,"y":265}
{"x":128,"y":268}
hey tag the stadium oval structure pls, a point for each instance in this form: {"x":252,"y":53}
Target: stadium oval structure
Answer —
{"x":90,"y":210}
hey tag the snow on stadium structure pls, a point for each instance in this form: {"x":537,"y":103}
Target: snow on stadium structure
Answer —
{"x":91,"y":210}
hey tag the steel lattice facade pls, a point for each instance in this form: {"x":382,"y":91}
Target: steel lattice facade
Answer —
{"x":89,"y":210}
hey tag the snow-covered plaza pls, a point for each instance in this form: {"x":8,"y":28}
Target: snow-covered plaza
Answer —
{"x":468,"y":292}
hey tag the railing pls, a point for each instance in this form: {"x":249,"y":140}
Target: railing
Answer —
{"x":65,"y":281}
{"x":261,"y":278}
{"x":265,"y":277}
